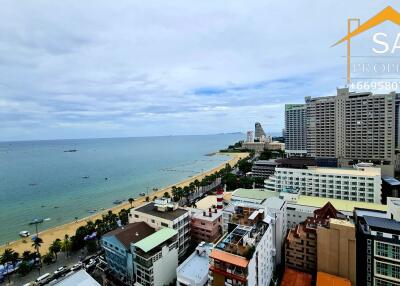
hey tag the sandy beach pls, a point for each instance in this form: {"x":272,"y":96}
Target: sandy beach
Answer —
{"x":49,"y":235}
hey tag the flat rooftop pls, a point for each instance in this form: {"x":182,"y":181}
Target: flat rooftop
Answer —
{"x":379,"y":223}
{"x":367,"y":171}
{"x":341,"y":205}
{"x":195,"y":267}
{"x":391,"y":181}
{"x":325,"y":279}
{"x":254,"y":194}
{"x":80,"y":278}
{"x":155,"y":239}
{"x":293,"y":277}
{"x":150,"y":209}
{"x":211,"y":200}
{"x":199,"y":214}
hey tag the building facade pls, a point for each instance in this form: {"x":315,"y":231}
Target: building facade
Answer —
{"x":338,"y":242}
{"x":263,"y":168}
{"x":206,"y":225}
{"x":194,"y":270}
{"x":378,"y":250}
{"x":301,"y":242}
{"x":259,"y":133}
{"x":164,"y":213}
{"x":117,"y":248}
{"x":244,"y":256}
{"x":295,"y":129}
{"x":356,"y":184}
{"x":353,"y":127}
{"x":156,"y":258}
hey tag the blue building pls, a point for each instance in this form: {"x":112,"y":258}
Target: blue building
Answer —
{"x":117,"y":247}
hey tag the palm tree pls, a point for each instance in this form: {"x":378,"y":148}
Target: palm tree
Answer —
{"x":66,"y":244}
{"x":131,"y":200}
{"x":7,"y":256}
{"x":55,"y":247}
{"x":37,"y":243}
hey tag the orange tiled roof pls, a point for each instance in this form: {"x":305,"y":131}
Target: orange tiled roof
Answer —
{"x":325,"y":279}
{"x":296,"y":278}
{"x":230,"y":258}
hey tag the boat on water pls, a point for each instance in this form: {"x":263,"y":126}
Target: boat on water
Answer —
{"x":85,"y":177}
{"x":142,"y":194}
{"x":117,"y":202}
{"x":35,"y":221}
{"x":24,"y":233}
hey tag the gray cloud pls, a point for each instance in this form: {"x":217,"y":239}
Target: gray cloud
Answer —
{"x":134,"y":68}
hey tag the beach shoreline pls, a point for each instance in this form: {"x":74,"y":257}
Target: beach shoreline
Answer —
{"x":49,"y":235}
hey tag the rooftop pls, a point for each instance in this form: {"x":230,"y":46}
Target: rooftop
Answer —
{"x":342,"y":205}
{"x":255,"y":194}
{"x":80,"y":278}
{"x":131,"y":233}
{"x":391,"y":181}
{"x":367,"y":171}
{"x":293,"y":277}
{"x":230,"y":258}
{"x":325,"y":279}
{"x":195,"y":267}
{"x":156,"y":239}
{"x":211,"y":200}
{"x":205,"y":214}
{"x":151,"y":209}
{"x":266,"y":162}
{"x":379,"y":223}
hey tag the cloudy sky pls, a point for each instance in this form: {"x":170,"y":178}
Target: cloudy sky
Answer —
{"x":79,"y":69}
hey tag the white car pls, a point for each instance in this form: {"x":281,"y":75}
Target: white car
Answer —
{"x":76,"y":266}
{"x":91,"y":263}
{"x":60,"y":269}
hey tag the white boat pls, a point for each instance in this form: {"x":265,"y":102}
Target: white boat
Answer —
{"x":24,"y":233}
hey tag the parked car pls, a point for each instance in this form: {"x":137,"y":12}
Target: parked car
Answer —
{"x":60,"y":270}
{"x":76,"y":266}
{"x":91,"y":263}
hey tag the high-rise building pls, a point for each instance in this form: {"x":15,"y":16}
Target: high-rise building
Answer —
{"x":259,"y":133}
{"x":250,"y":137}
{"x":353,"y":127}
{"x":295,"y":129}
{"x":361,"y":184}
{"x":378,"y":249}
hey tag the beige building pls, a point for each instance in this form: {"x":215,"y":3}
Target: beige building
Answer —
{"x":352,"y":126}
{"x":336,"y":249}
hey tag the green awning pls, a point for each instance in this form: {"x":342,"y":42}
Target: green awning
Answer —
{"x":155,"y":239}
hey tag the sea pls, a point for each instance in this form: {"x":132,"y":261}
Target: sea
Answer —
{"x":58,"y":180}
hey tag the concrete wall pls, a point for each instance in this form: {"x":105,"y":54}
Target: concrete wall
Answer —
{"x":336,"y":250}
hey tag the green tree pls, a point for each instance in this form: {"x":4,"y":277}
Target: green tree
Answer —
{"x":147,"y":199}
{"x":66,"y":245}
{"x":244,"y":166}
{"x":167,"y":195}
{"x":231,"y":181}
{"x":37,"y":243}
{"x":48,"y":258}
{"x":123,"y":216}
{"x":91,"y":246}
{"x":265,"y":155}
{"x":24,"y":268}
{"x":7,"y":256}
{"x":55,"y":247}
{"x":131,"y":200}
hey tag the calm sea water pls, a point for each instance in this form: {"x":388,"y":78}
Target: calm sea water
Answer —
{"x":38,"y":179}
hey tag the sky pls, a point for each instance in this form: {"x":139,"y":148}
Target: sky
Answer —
{"x":88,"y":69}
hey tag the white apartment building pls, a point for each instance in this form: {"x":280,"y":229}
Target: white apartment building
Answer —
{"x":359,"y":183}
{"x":164,"y":213}
{"x":155,"y":258}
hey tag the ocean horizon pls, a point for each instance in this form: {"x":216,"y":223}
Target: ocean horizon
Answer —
{"x":58,"y":180}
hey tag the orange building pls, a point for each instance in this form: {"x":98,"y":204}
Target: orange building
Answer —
{"x":325,"y":279}
{"x":293,"y":277}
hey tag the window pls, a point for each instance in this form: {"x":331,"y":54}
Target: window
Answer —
{"x":164,"y":224}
